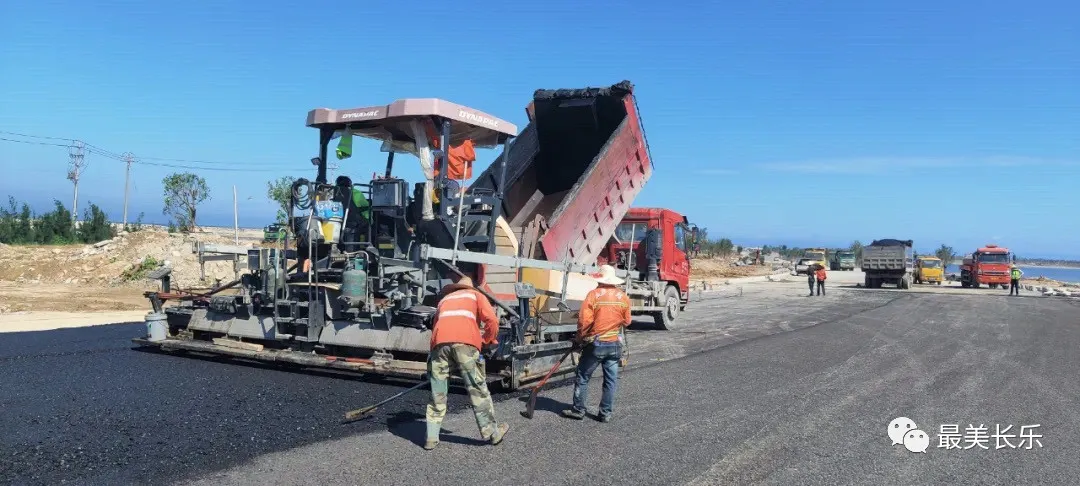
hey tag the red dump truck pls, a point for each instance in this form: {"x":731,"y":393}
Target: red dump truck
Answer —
{"x":651,"y":244}
{"x":357,"y":290}
{"x":988,"y":266}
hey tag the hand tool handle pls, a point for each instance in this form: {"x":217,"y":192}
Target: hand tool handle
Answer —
{"x":354,"y":415}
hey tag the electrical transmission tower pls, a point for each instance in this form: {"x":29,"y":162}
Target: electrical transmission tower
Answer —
{"x":128,"y":159}
{"x":75,"y":169}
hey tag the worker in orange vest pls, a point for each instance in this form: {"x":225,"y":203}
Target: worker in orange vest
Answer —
{"x":603,"y":315}
{"x":465,"y":323}
{"x":460,"y":157}
{"x":819,"y":274}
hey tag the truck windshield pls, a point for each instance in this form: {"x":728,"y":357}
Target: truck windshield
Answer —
{"x":815,"y":255}
{"x":931,"y":263}
{"x":993,"y":258}
{"x":846,"y":254}
{"x":624,"y":230}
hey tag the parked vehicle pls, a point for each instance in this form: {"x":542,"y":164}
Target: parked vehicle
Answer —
{"x":988,"y":266}
{"x":818,"y":256}
{"x":802,"y":267}
{"x":929,"y":269}
{"x":273,"y":233}
{"x":888,"y":261}
{"x":843,"y":260}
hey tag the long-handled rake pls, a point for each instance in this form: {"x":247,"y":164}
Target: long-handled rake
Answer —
{"x":360,"y":413}
{"x":528,"y":413}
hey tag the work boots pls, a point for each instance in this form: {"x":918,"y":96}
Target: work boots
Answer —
{"x":430,"y":444}
{"x":574,"y":414}
{"x":500,"y":432}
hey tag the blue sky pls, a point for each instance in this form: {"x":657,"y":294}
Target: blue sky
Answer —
{"x":800,"y":122}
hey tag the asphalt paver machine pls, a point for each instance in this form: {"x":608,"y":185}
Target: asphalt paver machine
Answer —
{"x":356,"y":284}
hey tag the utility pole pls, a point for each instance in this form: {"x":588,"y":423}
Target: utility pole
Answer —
{"x":128,"y":158}
{"x":77,"y":164}
{"x":235,"y":218}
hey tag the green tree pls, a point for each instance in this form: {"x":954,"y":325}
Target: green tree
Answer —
{"x":56,"y":227}
{"x":95,"y":226}
{"x":856,"y":247}
{"x":946,"y":254}
{"x":280,"y":191}
{"x":11,"y":223}
{"x":724,"y":247}
{"x":184,"y":192}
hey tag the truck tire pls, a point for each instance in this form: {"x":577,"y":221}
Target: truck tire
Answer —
{"x":666,"y":319}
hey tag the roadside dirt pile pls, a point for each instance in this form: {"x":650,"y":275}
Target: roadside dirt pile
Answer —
{"x":711,"y":269}
{"x":108,"y":275}
{"x":120,"y":262}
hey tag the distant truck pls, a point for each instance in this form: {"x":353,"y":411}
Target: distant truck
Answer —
{"x":929,"y":270}
{"x":888,"y":261}
{"x":817,"y":256}
{"x":842,"y":260}
{"x":988,"y":266}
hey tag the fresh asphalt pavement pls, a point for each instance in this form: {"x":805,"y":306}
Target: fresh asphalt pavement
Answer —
{"x":763,"y":385}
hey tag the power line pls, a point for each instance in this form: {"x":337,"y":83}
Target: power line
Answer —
{"x":36,"y":143}
{"x":93,"y":149}
{"x":39,"y":136}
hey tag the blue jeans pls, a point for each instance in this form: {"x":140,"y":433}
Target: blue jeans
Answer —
{"x":600,"y":354}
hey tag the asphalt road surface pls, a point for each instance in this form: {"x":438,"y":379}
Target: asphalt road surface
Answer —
{"x":763,"y":385}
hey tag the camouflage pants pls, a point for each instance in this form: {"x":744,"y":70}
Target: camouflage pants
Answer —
{"x":467,"y":360}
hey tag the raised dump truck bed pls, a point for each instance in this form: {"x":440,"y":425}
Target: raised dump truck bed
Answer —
{"x":571,"y":176}
{"x":574,"y":171}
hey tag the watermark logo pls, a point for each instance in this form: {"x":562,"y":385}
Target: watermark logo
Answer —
{"x":904,"y":431}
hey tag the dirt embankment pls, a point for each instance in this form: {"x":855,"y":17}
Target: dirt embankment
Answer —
{"x":713,"y":270}
{"x":108,"y":275}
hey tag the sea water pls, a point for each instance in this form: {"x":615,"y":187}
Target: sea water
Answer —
{"x":1052,"y":273}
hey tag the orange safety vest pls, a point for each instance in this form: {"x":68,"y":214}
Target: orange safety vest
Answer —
{"x":461,"y":157}
{"x":458,"y":319}
{"x":604,"y":312}
{"x":820,"y":274}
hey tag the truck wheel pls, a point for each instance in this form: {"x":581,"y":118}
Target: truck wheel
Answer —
{"x":665,"y":319}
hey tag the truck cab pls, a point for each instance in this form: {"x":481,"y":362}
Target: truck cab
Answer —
{"x":929,"y":270}
{"x":988,"y":266}
{"x":653,"y":242}
{"x":843,"y":260}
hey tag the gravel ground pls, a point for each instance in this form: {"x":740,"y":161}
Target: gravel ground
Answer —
{"x":733,"y":397}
